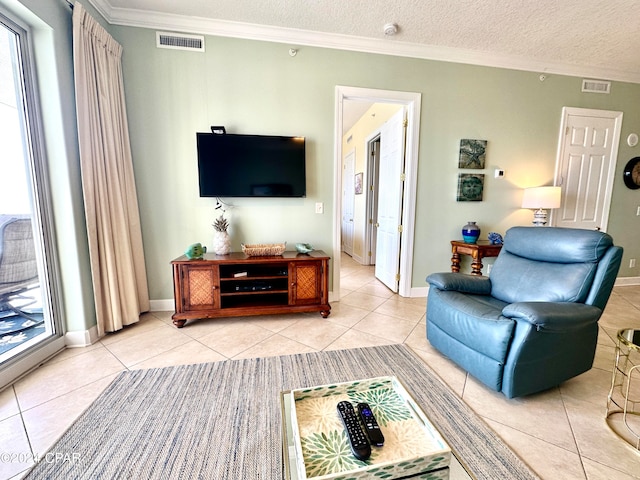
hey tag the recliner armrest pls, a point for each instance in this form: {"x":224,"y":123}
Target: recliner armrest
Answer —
{"x":553,"y":316}
{"x":460,"y":282}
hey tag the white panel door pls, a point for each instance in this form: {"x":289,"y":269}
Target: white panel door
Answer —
{"x":390,"y":192}
{"x":586,"y":167}
{"x":348,"y":201}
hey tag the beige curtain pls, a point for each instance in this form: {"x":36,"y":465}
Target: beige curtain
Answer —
{"x":111,"y":205}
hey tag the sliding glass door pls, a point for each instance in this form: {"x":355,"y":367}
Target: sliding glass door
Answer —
{"x":28,"y":307}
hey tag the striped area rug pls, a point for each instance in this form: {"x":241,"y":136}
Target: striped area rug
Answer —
{"x":222,"y":420}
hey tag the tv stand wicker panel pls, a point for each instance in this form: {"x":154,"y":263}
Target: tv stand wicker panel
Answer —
{"x":239,"y":285}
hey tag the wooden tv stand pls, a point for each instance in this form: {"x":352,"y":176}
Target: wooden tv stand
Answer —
{"x":237,"y":285}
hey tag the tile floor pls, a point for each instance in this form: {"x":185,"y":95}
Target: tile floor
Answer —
{"x":560,"y":433}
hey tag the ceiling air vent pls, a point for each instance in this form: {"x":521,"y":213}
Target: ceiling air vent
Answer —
{"x":180,"y":41}
{"x":596,"y":86}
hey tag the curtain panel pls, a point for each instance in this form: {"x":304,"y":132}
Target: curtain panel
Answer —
{"x":110,"y":199}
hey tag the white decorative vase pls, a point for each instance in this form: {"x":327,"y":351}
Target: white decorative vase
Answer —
{"x":221,"y":243}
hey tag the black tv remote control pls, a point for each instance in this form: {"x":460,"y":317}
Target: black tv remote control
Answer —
{"x":358,"y":442}
{"x":371,"y":426}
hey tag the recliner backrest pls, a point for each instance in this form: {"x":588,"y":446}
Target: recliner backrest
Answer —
{"x":548,"y":264}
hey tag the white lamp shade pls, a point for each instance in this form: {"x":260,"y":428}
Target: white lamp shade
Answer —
{"x":541,"y":197}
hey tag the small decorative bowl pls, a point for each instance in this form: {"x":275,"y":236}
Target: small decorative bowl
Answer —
{"x":304,"y":247}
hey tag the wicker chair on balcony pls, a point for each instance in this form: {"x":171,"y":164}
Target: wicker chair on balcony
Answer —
{"x":18,"y":266}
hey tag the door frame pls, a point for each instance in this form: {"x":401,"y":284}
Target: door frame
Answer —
{"x":372,"y":197}
{"x":412,"y":103}
{"x":616,"y":116}
{"x":42,"y":211}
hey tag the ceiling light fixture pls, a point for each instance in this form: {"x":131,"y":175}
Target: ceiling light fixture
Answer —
{"x":390,"y":29}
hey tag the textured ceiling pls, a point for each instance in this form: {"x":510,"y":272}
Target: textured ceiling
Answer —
{"x":577,"y":37}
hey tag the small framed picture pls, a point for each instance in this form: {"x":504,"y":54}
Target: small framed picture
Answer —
{"x":358,"y":184}
{"x":470,"y":187}
{"x":472,"y":153}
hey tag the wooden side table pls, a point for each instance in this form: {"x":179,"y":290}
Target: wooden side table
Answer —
{"x":477,"y":251}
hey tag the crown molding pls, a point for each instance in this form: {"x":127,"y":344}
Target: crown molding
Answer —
{"x":295,"y":37}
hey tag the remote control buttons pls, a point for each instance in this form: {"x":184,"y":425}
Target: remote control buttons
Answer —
{"x":358,"y":442}
{"x":370,"y":425}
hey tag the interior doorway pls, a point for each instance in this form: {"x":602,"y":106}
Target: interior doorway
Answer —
{"x":346,"y":96}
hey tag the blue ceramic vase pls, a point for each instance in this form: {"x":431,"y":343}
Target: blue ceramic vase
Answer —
{"x":470,"y":232}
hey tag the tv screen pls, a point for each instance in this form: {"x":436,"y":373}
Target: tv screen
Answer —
{"x":251,"y":165}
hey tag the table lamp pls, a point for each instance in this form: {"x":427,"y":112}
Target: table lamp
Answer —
{"x":540,"y":199}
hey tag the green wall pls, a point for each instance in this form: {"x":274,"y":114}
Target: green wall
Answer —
{"x":256,"y":87}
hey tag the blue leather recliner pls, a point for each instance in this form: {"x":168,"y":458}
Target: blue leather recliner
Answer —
{"x":533,"y":322}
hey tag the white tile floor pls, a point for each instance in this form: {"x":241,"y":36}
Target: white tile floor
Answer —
{"x":560,"y":433}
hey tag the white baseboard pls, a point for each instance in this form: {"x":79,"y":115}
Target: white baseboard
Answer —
{"x":359,"y":259}
{"x":166,"y":305}
{"x":417,"y":292}
{"x":82,"y":338}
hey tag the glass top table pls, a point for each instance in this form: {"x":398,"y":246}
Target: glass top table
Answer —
{"x":630,"y":337}
{"x":623,"y":402}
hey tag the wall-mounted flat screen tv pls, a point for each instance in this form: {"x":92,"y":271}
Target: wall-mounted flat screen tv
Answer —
{"x":251,"y":165}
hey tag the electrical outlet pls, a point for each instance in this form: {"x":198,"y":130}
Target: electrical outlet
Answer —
{"x":632,"y":263}
{"x":319,"y":207}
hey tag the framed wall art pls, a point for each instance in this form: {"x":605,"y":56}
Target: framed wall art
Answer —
{"x":470,"y":187}
{"x":472,"y":153}
{"x":358,"y":184}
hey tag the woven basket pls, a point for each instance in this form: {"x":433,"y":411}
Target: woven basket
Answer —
{"x":264,"y":249}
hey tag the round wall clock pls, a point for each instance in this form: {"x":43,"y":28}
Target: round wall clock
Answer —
{"x":631,"y":173}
